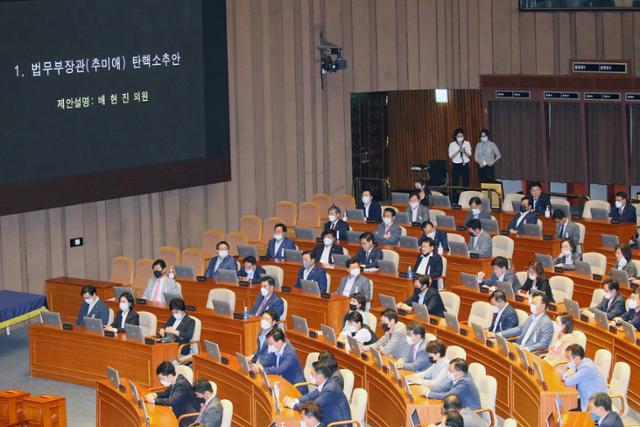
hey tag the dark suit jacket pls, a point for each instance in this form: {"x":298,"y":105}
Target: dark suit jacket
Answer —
{"x":340,"y":229}
{"x":179,"y":396}
{"x":132,"y":319}
{"x":615,"y":309}
{"x":612,"y":419}
{"x":432,"y":300}
{"x":332,"y":401}
{"x":228,"y":263}
{"x":530,"y":218}
{"x":274,"y":302}
{"x":317,"y":274}
{"x":434,"y":265}
{"x":484,"y":214}
{"x":375,"y":211}
{"x":286,"y":244}
{"x":508,"y":320}
{"x":633,"y":317}
{"x":542,"y":203}
{"x":289,"y":367}
{"x":335,"y":249}
{"x":439,"y":238}
{"x":185,"y":328}
{"x":628,"y":213}
{"x":543,"y":286}
{"x":257,"y":275}
{"x":370,"y":261}
{"x":99,"y":311}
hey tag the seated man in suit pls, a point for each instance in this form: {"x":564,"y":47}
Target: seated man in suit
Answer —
{"x":180,"y":326}
{"x":267,"y":298}
{"x":269,"y":321}
{"x":600,"y":408}
{"x":526,"y":216}
{"x":388,"y":233}
{"x":612,"y":302}
{"x":178,"y":393}
{"x":223,"y":261}
{"x":92,"y":306}
{"x":160,"y":284}
{"x":394,"y":340}
{"x":328,"y":395}
{"x":452,"y":403}
{"x":425,"y":291}
{"x":536,"y":332}
{"x":311,"y":415}
{"x":368,"y":254}
{"x":211,"y":413}
{"x":622,"y":210}
{"x":336,"y":224}
{"x":354,"y":282}
{"x":372,"y":209}
{"x":633,"y":314}
{"x":417,"y":213}
{"x":439,"y":237}
{"x":566,"y":229}
{"x":328,"y":359}
{"x":428,"y":263}
{"x":417,"y":358}
{"x":280,"y":242}
{"x":500,"y":273}
{"x":477,"y":212}
{"x":461,"y":385}
{"x":310,"y":271}
{"x":283,"y":360}
{"x":582,"y":373}
{"x":324,"y":252}
{"x":540,"y":200}
{"x":251,"y":272}
{"x":504,"y":315}
{"x":479,"y":241}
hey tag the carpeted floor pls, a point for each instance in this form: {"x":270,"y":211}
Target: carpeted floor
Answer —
{"x":14,"y":368}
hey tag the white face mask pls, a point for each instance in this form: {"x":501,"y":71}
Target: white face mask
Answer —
{"x":354,"y":272}
{"x":431,"y":235}
{"x":409,"y":340}
{"x":353,"y":329}
{"x":451,"y":376}
{"x":618,"y":204}
{"x":633,"y":304}
{"x":533,"y":276}
{"x":223,"y":253}
{"x":460,"y":138}
{"x":387,"y":221}
{"x":178,"y":316}
{"x":271,"y":349}
{"x":277,"y":236}
{"x":332,"y":218}
{"x":533,"y":308}
{"x":413,"y":204}
{"x":124,"y":306}
{"x":327,"y":241}
{"x":264,"y":291}
{"x":313,"y":380}
{"x":607,"y":295}
{"x":484,"y":138}
{"x":622,"y":262}
{"x":366,"y":199}
{"x":495,"y":309}
{"x":418,"y":187}
{"x":88,"y":300}
{"x":476,"y":211}
{"x":571,"y":365}
{"x":566,"y":252}
{"x":265,"y":324}
{"x":165,"y":383}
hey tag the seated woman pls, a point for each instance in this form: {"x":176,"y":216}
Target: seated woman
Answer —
{"x":633,"y":313}
{"x":562,"y":338}
{"x":436,"y":374}
{"x":268,"y":322}
{"x":536,"y":281}
{"x":179,"y":327}
{"x":126,"y":314}
{"x":360,"y":330}
{"x":568,"y":254}
{"x":623,"y":262}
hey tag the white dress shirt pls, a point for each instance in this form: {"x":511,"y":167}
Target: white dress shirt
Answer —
{"x":422,"y":268}
{"x":324,"y":258}
{"x":348,"y":285}
{"x":498,"y":316}
{"x":460,"y":157}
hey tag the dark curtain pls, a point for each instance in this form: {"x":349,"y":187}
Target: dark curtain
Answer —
{"x":567,"y":150}
{"x":634,"y":138}
{"x":516,"y":130}
{"x":604,"y":139}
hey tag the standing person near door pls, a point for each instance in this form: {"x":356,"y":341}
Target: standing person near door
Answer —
{"x":487,"y":154}
{"x":460,"y":155}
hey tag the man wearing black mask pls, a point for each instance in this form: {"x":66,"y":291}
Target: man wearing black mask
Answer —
{"x":526,"y":216}
{"x":160,"y":284}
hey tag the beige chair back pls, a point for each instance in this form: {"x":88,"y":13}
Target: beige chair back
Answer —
{"x":344,"y":202}
{"x":268,"y":226}
{"x":586,"y":213}
{"x":324,"y":201}
{"x":186,"y":372}
{"x":288,"y":211}
{"x":141,"y":275}
{"x":210,"y":239}
{"x":308,"y":215}
{"x":597,"y":261}
{"x":480,"y":314}
{"x":234,"y":239}
{"x":222,"y":294}
{"x":149,"y":322}
{"x":251,"y":225}
{"x":170,"y":255}
{"x":122,"y":270}
{"x":227,"y":413}
{"x":194,"y":258}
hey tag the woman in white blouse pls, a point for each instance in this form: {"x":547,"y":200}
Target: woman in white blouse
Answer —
{"x":360,"y":330}
{"x":460,"y":155}
{"x":436,"y":374}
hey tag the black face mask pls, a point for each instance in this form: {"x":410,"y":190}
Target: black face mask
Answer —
{"x":201,"y":399}
{"x":432,"y":360}
{"x":385,"y":327}
{"x":523,"y":208}
{"x":353,"y":307}
{"x":157,"y":273}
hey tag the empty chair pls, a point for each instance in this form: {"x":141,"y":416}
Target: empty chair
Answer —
{"x":222,"y":295}
{"x":267,"y":227}
{"x":324,"y":201}
{"x":429,"y":337}
{"x":465,"y":196}
{"x":285,"y":309}
{"x":563,"y":204}
{"x":210,"y":239}
{"x":583,"y":232}
{"x":234,"y":239}
{"x":561,"y":287}
{"x":186,"y":372}
{"x":618,"y":387}
{"x":453,"y":237}
{"x":149,"y":322}
{"x":393,"y":256}
{"x":480,"y":314}
{"x":252,"y":226}
{"x":598,"y":294}
{"x":602,"y":360}
{"x":487,"y":387}
{"x":597,"y":261}
{"x":370,"y":320}
{"x":308,"y":215}
{"x":193,"y":344}
{"x":477,"y":371}
{"x":348,"y":378}
{"x":288,"y":211}
{"x":112,"y":315}
{"x":507,"y":204}
{"x":358,"y":405}
{"x":344,"y":202}
{"x":510,"y":422}
{"x":502,"y":246}
{"x":141,"y":275}
{"x":451,"y":302}
{"x":444,"y":274}
{"x":227,"y":413}
{"x":580,"y":338}
{"x":455,"y":352}
{"x":433,"y":213}
{"x":522,"y":316}
{"x":403,"y":230}
{"x":522,"y":276}
{"x":122,"y":270}
{"x":601,"y":204}
{"x":275,"y":272}
{"x":194,"y":258}
{"x":170,"y":255}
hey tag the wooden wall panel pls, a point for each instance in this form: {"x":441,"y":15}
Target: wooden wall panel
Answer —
{"x":289,"y":137}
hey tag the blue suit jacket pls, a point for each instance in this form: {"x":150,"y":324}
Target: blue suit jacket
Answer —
{"x":508,"y":320}
{"x":370,"y":261}
{"x":100,"y":311}
{"x":420,"y":362}
{"x":332,"y":401}
{"x":286,"y":244}
{"x":530,"y":218}
{"x":179,"y":396}
{"x":289,"y":367}
{"x":341,"y":228}
{"x":630,"y":316}
{"x":628,"y":213}
{"x":375,"y":211}
{"x":464,"y":388}
{"x":439,"y":238}
{"x":317,"y":274}
{"x":228,"y":263}
{"x":542,"y":203}
{"x":257,"y":275}
{"x":394,"y":231}
{"x":274,"y":302}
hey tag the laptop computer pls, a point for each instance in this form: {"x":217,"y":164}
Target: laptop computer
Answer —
{"x":545,"y":260}
{"x":387,"y":301}
{"x":620,"y":276}
{"x":119,"y":290}
{"x":310,"y":287}
{"x":185,"y":271}
{"x":572,"y":308}
{"x":52,"y":318}
{"x":222,"y":307}
{"x":421,"y":311}
{"x":353,"y":345}
{"x":440,"y":200}
{"x":399,"y":198}
{"x":355,"y":214}
{"x":609,"y":240}
{"x":478,"y":332}
{"x":93,"y":325}
{"x":292,"y":255}
{"x":629,"y":330}
{"x":490,"y":225}
{"x":329,"y":334}
{"x":300,"y":324}
{"x":538,"y":369}
{"x":407,"y":242}
{"x":402,"y":218}
{"x":135,"y":332}
{"x":452,"y":322}
{"x":113,"y":376}
{"x":394,"y":370}
{"x":505,"y":287}
{"x":599,"y":213}
{"x":377,"y":358}
{"x":415,"y":419}
{"x":244,"y":362}
{"x":168,"y":297}
{"x":304,"y":234}
{"x":469,"y":281}
{"x":353,"y":236}
{"x":601,"y":318}
{"x":213,"y":350}
{"x":531,"y":230}
{"x":583,"y":268}
{"x":134,"y":391}
{"x":247,"y":250}
{"x":458,"y":248}
{"x":265,"y":378}
{"x":227,"y":276}
{"x":503,"y":344}
{"x":340,"y":260}
{"x":522,"y":355}
{"x":445,"y":221}
{"x":387,"y":266}
{"x":563,"y":208}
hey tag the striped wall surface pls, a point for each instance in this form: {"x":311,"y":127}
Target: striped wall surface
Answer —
{"x":290,"y":138}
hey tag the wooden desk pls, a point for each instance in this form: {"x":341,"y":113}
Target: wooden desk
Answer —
{"x":81,"y":357}
{"x":595,"y":228}
{"x":63,"y":295}
{"x":526,"y":247}
{"x":611,"y":255}
{"x":12,"y":406}
{"x":115,"y":408}
{"x":253,"y":403}
{"x":577,"y":419}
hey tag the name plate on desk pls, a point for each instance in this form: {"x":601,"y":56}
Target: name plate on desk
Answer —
{"x":456,"y":207}
{"x":597,"y":277}
{"x":313,"y":334}
{"x":489,"y":343}
{"x":547,"y":237}
{"x":201,"y":278}
{"x":403,"y":275}
{"x":484,"y":290}
{"x":67,"y":326}
{"x":372,"y":221}
{"x":416,"y":224}
{"x":615,"y":221}
{"x":584,"y":318}
{"x":519,"y":298}
{"x":109,"y":334}
{"x":461,"y":228}
{"x":252,"y":375}
{"x":340,"y":344}
{"x":613,"y":329}
{"x":325,"y":295}
{"x":433,"y":321}
{"x":401,"y":312}
{"x":149,"y":341}
{"x":512,"y":356}
{"x":264,"y":258}
{"x":243,"y":283}
{"x":576,"y":217}
{"x":286,"y":289}
{"x":558,"y":269}
{"x":496,"y":210}
{"x":190,"y":308}
{"x":141,"y":301}
{"x":237,"y":316}
{"x":504,"y":232}
{"x":224,"y":360}
{"x":463,"y":332}
{"x":364,"y":357}
{"x":553,"y":307}
{"x":473,"y":255}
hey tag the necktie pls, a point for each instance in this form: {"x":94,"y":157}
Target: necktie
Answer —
{"x":259,"y":312}
{"x":277,"y":360}
{"x":461,"y":154}
{"x":157,"y":291}
{"x":333,"y":226}
{"x":561,"y":234}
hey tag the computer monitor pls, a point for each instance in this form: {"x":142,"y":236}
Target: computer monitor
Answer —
{"x":355,"y":214}
{"x":458,"y":248}
{"x":469,"y":281}
{"x":186,"y":271}
{"x":340,"y":260}
{"x":505,"y":287}
{"x":377,"y":358}
{"x":93,"y":325}
{"x":522,"y":355}
{"x":222,"y":307}
{"x":399,"y":198}
{"x":421,"y":311}
{"x":478,"y":332}
{"x":387,"y":266}
{"x":599,"y":213}
{"x":409,"y":242}
{"x":394,"y":370}
{"x":545,"y":260}
{"x":629,"y":330}
{"x":134,"y":391}
{"x":415,"y":419}
{"x":213,"y":350}
{"x":329,"y":334}
{"x":490,"y":225}
{"x":601,"y":318}
{"x":452,"y":322}
{"x":135,"y":332}
{"x":572,"y":308}
{"x":620,"y":276}
{"x":227,"y":276}
{"x":244,"y":362}
{"x":310,"y":287}
{"x":402,"y":218}
{"x":353,"y":345}
{"x":503,"y":344}
{"x":292,"y":255}
{"x":247,"y":250}
{"x":440,"y":200}
{"x":387,"y":301}
{"x":168,"y":297}
{"x":300,"y":324}
{"x":445,"y":221}
{"x":532,"y":230}
{"x":52,"y":318}
{"x":113,"y":376}
{"x":305,"y":234}
{"x":583,"y":268}
{"x":609,"y":240}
